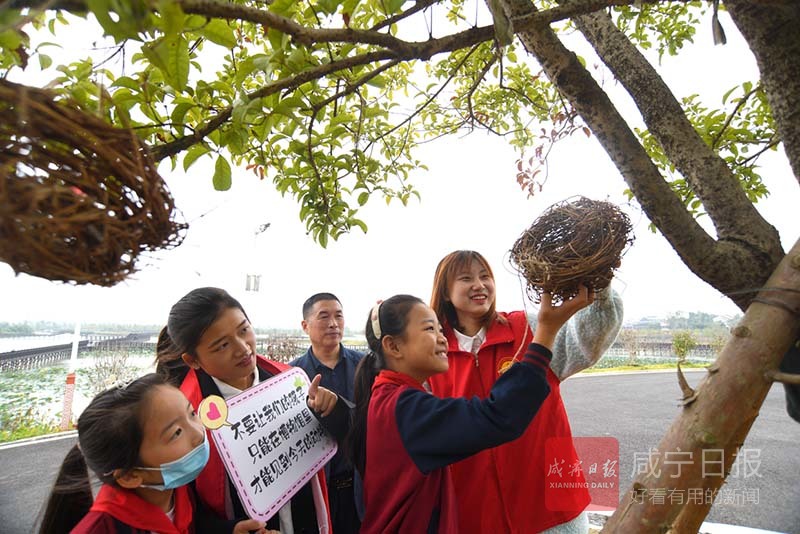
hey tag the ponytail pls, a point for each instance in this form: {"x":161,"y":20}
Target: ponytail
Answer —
{"x":169,"y":361}
{"x":71,"y":496}
{"x":356,"y":441}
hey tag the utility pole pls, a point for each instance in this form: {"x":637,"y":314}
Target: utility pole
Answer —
{"x":69,"y":390}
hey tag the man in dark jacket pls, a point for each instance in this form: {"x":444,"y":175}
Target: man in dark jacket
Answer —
{"x":323,"y":321}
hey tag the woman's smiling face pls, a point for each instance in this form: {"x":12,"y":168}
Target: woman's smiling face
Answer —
{"x":472,"y":293}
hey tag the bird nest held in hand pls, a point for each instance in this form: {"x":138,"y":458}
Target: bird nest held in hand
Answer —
{"x":79,"y":198}
{"x":573,"y":243}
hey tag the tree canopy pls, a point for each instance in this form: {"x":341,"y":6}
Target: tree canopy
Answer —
{"x":328,"y":99}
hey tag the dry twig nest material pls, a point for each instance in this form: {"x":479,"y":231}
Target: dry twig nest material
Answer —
{"x":79,"y":198}
{"x":575,"y":242}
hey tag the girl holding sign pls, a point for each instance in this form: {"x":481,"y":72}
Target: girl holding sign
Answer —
{"x":212,"y":335}
{"x":404,"y":439}
{"x":144,"y":441}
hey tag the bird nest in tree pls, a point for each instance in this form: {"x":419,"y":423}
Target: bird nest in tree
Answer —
{"x":79,"y":198}
{"x":574,"y":243}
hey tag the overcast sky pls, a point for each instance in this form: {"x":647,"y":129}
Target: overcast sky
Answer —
{"x":470,"y":199}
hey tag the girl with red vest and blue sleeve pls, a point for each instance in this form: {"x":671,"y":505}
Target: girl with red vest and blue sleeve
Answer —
{"x":403,"y":438}
{"x":144,"y":442}
{"x":210,"y":346}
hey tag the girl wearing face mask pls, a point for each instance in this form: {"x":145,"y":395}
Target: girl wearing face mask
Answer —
{"x":144,"y":442}
{"x":210,"y":345}
{"x":403,"y":438}
{"x":510,"y":495}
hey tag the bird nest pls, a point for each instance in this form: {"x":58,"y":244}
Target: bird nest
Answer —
{"x":80,"y":200}
{"x":573,"y":243}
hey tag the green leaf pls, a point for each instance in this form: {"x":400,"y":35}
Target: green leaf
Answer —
{"x":100,"y":9}
{"x":122,"y":114}
{"x":180,"y":111}
{"x":363,"y":198}
{"x":178,"y":59}
{"x":10,"y":39}
{"x":728,"y":93}
{"x":304,"y":210}
{"x":377,"y":81}
{"x":296,"y":59}
{"x":222,"y":174}
{"x":393,"y":6}
{"x":192,"y":154}
{"x":127,"y":81}
{"x":217,"y":31}
{"x":361,"y":224}
{"x":172,"y":17}
{"x":156,"y":54}
{"x":45,"y":61}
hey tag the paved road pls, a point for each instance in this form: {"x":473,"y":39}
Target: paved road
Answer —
{"x":637,"y":408}
{"x":634,"y":408}
{"x":26,"y":476}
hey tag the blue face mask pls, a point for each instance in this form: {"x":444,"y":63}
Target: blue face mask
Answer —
{"x":181,"y":471}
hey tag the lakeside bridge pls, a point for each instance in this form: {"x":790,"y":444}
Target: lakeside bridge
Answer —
{"x":32,"y":358}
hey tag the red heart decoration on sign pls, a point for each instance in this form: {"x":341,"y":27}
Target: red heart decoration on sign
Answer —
{"x":213,"y":412}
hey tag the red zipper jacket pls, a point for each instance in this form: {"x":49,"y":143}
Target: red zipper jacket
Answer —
{"x":116,"y":505}
{"x":509,"y":494}
{"x":413,"y":436}
{"x":210,"y":484}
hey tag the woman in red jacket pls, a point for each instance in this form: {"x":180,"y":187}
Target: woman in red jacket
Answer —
{"x":209,"y":331}
{"x":144,"y":441}
{"x":403,"y":438}
{"x":510,"y":494}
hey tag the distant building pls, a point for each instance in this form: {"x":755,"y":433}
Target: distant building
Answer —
{"x":650,"y":322}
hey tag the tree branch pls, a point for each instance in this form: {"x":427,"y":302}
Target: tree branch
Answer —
{"x":420,"y":5}
{"x":730,"y":117}
{"x":309,"y":36}
{"x":301,"y":34}
{"x":738,"y":224}
{"x":575,"y":83}
{"x":531,"y":19}
{"x":785,"y":378}
{"x":174,"y":147}
{"x":474,"y":87}
{"x":772,"y":144}
{"x":770,"y":29}
{"x":431,"y":98}
{"x":355,"y":85}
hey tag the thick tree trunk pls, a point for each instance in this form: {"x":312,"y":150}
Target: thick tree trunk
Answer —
{"x":772,"y":30}
{"x":738,"y":380}
{"x":691,"y":517}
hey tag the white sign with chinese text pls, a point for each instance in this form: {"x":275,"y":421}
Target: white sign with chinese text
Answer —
{"x":271,"y":444}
